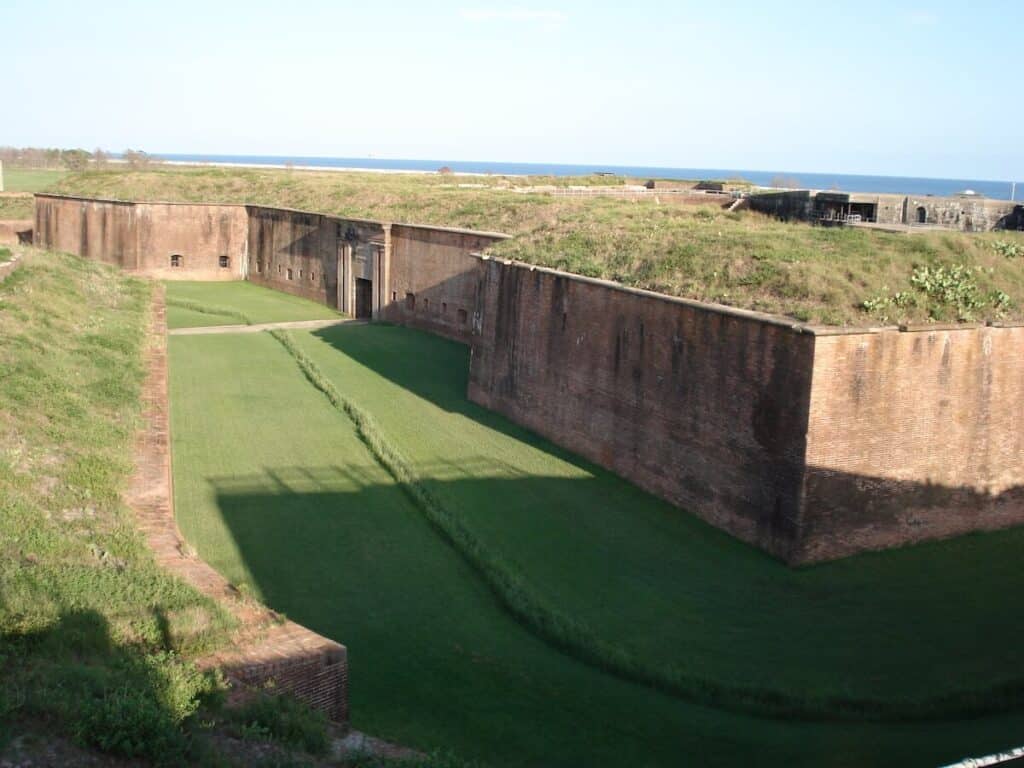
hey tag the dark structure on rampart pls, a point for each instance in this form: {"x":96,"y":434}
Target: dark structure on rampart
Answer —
{"x":810,"y":442}
{"x":965,"y":212}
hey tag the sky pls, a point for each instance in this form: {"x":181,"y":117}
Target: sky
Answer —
{"x":895,"y":88}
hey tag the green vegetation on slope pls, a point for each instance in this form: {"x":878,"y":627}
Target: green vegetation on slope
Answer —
{"x":16,"y":207}
{"x":92,"y":632}
{"x":275,"y":488}
{"x":31,"y":179}
{"x":193,"y":304}
{"x":835,"y":276}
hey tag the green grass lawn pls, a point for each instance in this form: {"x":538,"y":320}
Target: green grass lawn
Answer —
{"x":16,"y":208}
{"x":276,"y":490}
{"x":241,"y":299}
{"x":681,"y":592}
{"x":31,"y":179}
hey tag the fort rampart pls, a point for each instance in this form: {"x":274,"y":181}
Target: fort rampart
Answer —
{"x":810,"y":442}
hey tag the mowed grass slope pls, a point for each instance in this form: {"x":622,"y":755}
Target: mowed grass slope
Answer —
{"x":93,"y":635}
{"x":654,"y":579}
{"x":275,"y":489}
{"x":193,"y":304}
{"x":31,"y":179}
{"x":744,"y":259}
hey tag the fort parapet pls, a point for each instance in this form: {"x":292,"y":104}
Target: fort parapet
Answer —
{"x":810,"y":442}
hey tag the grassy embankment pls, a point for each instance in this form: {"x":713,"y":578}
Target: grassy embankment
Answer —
{"x":31,"y":179}
{"x":443,"y":662}
{"x":96,"y":642}
{"x":94,"y":637}
{"x":195,"y":304}
{"x":24,"y":180}
{"x":835,"y":276}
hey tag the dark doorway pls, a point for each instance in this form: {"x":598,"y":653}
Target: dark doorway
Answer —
{"x":364,"y":298}
{"x":922,"y":215}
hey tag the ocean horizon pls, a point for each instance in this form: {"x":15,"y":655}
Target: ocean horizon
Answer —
{"x":899,"y":185}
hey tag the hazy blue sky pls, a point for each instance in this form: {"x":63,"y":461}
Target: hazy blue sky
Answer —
{"x":902,"y":88}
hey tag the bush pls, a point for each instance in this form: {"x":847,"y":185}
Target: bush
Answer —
{"x":139,"y":710}
{"x":285,"y":720}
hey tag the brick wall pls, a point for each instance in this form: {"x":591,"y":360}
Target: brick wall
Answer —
{"x":433,"y":278}
{"x":100,"y":230}
{"x":913,"y":435}
{"x":143,"y":237}
{"x":811,"y":443}
{"x":706,"y":408}
{"x":202,"y":235}
{"x":298,"y":252}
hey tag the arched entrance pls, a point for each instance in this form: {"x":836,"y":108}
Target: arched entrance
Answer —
{"x":922,"y":215}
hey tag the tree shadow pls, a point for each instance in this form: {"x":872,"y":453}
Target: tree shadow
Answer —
{"x":122,"y":699}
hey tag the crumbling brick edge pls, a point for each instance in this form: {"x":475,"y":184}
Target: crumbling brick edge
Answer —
{"x":266,"y":651}
{"x":8,"y":267}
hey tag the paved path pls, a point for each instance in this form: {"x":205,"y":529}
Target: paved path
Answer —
{"x":256,"y":328}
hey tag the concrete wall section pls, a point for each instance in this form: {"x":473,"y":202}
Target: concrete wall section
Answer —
{"x":433,"y":279}
{"x":704,"y":407}
{"x":796,"y":204}
{"x":913,"y":435}
{"x":964,"y":212}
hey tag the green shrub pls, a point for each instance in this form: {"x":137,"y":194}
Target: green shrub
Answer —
{"x":283,"y":719}
{"x":138,"y":708}
{"x":1008,"y":249}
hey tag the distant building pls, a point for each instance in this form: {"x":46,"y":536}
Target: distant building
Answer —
{"x":967,"y":211}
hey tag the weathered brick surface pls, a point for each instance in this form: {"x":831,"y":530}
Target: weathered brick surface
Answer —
{"x":303,"y":253}
{"x":433,"y":281}
{"x":297,"y":660}
{"x":913,"y":435}
{"x":142,"y":237}
{"x":705,"y":408}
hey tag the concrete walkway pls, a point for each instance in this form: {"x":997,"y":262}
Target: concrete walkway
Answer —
{"x":256,"y":328}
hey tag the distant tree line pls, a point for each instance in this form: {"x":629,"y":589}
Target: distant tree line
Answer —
{"x":70,"y":159}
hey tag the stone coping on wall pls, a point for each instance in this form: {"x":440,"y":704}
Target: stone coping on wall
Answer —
{"x":356,"y":219}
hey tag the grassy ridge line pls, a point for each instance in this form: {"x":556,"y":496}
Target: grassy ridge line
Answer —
{"x":208,"y":309}
{"x":96,"y":639}
{"x":579,"y":641}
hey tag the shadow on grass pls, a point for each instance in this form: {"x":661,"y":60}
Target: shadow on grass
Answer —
{"x":321,"y":554}
{"x":120,"y":699}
